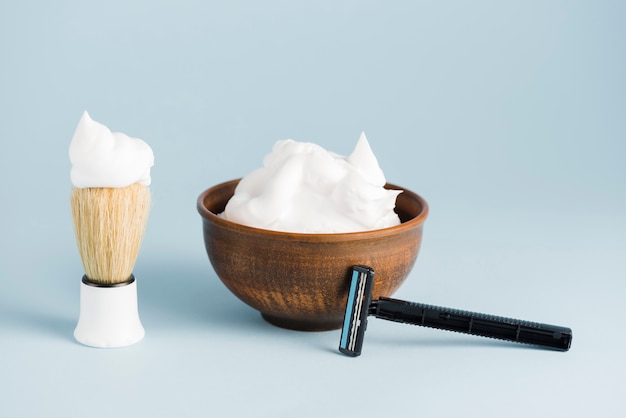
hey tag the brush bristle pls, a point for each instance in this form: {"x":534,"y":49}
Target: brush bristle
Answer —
{"x":109,"y":224}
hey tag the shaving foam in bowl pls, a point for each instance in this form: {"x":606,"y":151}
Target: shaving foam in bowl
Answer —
{"x":304,"y":188}
{"x":300,"y":280}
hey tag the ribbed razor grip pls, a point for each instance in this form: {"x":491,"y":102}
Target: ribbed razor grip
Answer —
{"x":552,"y":336}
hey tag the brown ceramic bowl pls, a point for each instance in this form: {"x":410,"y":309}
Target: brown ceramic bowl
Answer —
{"x":300,"y":281}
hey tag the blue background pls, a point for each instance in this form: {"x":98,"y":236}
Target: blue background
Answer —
{"x":508,"y":117}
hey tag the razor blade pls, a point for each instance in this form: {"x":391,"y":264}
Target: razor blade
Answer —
{"x":357,"y":310}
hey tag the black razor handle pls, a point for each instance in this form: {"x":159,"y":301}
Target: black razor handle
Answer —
{"x":552,"y":336}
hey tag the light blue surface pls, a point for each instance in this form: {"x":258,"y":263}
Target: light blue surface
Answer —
{"x":508,"y":117}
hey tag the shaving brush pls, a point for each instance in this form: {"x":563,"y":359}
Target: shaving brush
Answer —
{"x":110,"y":202}
{"x":109,"y":224}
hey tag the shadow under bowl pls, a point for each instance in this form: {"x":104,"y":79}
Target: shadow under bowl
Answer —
{"x":300,"y":281}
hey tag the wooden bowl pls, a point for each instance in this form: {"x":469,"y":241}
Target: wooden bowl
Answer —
{"x":300,"y":281}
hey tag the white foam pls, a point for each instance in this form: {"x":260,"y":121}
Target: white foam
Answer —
{"x":304,"y":188}
{"x":101,"y":158}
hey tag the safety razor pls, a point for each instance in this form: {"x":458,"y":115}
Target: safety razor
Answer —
{"x":360,"y":305}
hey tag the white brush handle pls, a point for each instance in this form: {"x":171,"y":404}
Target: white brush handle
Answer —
{"x":109,"y":316}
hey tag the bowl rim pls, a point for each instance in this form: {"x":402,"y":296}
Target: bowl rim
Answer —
{"x":207,"y":215}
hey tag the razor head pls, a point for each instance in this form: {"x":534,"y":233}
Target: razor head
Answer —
{"x":357,"y":309}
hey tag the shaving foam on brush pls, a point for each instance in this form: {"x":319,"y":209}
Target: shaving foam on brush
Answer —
{"x":110,"y":202}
